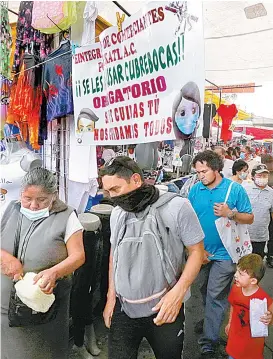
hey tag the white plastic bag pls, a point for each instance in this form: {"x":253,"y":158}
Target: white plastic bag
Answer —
{"x":258,"y":307}
{"x":234,"y":236}
{"x":31,"y":294}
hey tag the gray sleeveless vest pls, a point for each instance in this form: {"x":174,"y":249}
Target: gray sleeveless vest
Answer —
{"x":42,"y":250}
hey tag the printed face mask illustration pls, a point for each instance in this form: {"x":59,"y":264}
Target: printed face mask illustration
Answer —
{"x":186,"y":116}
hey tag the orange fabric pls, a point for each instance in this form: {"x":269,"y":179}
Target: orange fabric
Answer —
{"x":240,"y":343}
{"x":24,"y":108}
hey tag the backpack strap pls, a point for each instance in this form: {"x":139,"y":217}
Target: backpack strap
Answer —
{"x":163,"y":229}
{"x":164,"y":199}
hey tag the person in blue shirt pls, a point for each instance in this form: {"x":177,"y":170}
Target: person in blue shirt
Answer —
{"x":207,"y":198}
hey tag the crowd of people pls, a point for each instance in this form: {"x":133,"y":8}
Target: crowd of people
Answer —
{"x":161,"y":243}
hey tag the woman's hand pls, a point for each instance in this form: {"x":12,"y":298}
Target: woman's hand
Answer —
{"x":11,"y":266}
{"x":47,"y":279}
{"x":108,"y":311}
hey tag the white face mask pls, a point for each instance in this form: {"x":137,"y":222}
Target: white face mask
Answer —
{"x":35,"y":215}
{"x":261,"y":182}
{"x":243,"y":176}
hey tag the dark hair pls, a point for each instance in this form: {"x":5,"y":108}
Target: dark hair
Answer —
{"x":212,"y":159}
{"x":248,"y":149}
{"x":238,"y":151}
{"x":221,"y":148}
{"x":266,"y":158}
{"x":121,"y":166}
{"x":230,"y":151}
{"x":253,"y":264}
{"x":238,"y":166}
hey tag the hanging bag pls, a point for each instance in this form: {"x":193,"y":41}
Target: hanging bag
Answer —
{"x":19,"y":314}
{"x":62,"y":13}
{"x":235,"y":237}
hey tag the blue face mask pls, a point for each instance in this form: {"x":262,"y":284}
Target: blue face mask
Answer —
{"x":242,"y":155}
{"x":185,"y":119}
{"x":35,"y":215}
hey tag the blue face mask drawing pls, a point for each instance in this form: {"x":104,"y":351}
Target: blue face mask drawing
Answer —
{"x":186,"y":116}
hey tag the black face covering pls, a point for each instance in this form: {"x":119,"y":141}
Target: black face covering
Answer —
{"x":137,"y":200}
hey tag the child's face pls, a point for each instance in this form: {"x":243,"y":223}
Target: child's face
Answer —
{"x":243,"y":279}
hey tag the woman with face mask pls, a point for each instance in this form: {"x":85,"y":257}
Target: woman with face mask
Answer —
{"x":50,"y":244}
{"x":239,"y":171}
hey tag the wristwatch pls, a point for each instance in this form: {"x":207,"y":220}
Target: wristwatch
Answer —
{"x":231,"y":216}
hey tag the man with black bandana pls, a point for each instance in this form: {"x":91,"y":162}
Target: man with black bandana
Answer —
{"x":164,"y":330}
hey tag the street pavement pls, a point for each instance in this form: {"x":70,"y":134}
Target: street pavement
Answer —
{"x":193,"y":315}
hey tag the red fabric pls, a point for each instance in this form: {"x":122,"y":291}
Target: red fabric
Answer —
{"x":259,"y":133}
{"x":240,"y":343}
{"x":227,"y":113}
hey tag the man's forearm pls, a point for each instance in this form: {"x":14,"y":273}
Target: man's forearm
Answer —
{"x":192,"y":268}
{"x":244,"y":218}
{"x":111,"y":294}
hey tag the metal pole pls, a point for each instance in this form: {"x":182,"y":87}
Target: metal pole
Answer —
{"x":218,"y":128}
{"x":122,"y":8}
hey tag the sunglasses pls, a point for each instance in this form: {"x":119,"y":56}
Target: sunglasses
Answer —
{"x":115,"y":161}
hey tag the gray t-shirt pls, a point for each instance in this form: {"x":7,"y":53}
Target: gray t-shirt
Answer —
{"x":262,"y":207}
{"x":178,"y":215}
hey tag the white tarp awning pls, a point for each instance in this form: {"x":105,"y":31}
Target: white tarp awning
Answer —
{"x":237,"y":49}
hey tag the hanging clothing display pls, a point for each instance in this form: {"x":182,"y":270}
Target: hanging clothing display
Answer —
{"x":27,"y":36}
{"x":78,"y":194}
{"x":6,"y":40}
{"x":209,"y":113}
{"x":5,"y":86}
{"x":89,"y":15}
{"x":57,"y":83}
{"x":62,"y":13}
{"x":26,"y":100}
{"x":227,"y":113}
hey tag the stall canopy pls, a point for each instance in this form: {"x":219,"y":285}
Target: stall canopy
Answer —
{"x":211,"y":97}
{"x":237,"y":49}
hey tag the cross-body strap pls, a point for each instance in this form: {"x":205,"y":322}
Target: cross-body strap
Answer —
{"x":228,"y":192}
{"x":17,"y":235}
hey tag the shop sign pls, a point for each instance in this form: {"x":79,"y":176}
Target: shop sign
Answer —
{"x":140,"y":84}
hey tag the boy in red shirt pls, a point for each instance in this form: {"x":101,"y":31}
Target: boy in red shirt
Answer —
{"x":240,"y":345}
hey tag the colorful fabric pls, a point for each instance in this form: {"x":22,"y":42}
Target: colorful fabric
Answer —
{"x":240,"y":343}
{"x":227,"y":113}
{"x":57,"y":83}
{"x":62,"y":13}
{"x":6,"y":41}
{"x":26,"y":100}
{"x":5,"y":86}
{"x":28,"y":37}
